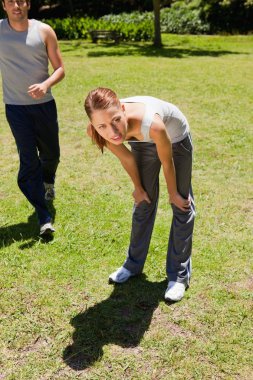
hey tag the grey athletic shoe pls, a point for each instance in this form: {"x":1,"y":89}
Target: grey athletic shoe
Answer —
{"x":49,"y":191}
{"x":46,"y":229}
{"x":120,"y":275}
{"x":175,"y":291}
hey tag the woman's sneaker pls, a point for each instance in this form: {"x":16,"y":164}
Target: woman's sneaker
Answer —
{"x":175,"y":291}
{"x":49,"y":191}
{"x":120,"y":275}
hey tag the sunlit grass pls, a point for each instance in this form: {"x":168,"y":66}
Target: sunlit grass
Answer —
{"x":55,"y":298}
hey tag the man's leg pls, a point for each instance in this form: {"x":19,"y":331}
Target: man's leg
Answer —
{"x":47,"y":136}
{"x":30,"y":174}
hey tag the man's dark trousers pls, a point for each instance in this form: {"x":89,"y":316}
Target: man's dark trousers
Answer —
{"x":35,"y":129}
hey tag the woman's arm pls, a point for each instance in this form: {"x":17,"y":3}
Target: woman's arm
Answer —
{"x":160,"y":137}
{"x":129,"y":164}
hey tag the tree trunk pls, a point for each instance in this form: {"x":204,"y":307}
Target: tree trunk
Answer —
{"x":157,"y":38}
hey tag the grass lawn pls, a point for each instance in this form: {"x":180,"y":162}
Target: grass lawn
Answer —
{"x":59,"y":317}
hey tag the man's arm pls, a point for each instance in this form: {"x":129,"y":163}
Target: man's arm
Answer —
{"x":160,"y":137}
{"x":38,"y":90}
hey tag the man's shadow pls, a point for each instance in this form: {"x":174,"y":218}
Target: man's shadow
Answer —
{"x":122,"y":319}
{"x":25,"y":231}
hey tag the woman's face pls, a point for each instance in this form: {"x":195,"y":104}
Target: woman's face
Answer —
{"x":111,"y":124}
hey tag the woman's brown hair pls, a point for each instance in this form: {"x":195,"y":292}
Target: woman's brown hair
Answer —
{"x":99,"y":99}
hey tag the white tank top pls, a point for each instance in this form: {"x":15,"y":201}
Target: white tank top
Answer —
{"x":23,"y":62}
{"x":175,"y":122}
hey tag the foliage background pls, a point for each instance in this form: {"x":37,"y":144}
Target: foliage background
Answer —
{"x":135,"y":26}
{"x":193,"y":16}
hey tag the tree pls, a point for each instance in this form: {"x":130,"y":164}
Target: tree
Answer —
{"x":157,"y":37}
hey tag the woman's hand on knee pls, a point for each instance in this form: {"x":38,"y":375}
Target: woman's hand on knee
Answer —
{"x":139,"y":196}
{"x":180,"y":202}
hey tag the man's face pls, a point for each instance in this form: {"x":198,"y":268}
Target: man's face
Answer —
{"x":16,"y":9}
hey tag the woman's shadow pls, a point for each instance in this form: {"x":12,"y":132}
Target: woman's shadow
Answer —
{"x":122,"y":319}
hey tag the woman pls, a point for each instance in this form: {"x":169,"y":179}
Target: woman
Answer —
{"x":158,"y":134}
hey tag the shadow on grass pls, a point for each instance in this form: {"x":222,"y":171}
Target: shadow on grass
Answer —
{"x":127,"y":49}
{"x":166,"y":52}
{"x":25,"y":231}
{"x":122,"y":319}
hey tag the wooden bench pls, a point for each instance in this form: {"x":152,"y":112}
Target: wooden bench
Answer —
{"x":104,"y":35}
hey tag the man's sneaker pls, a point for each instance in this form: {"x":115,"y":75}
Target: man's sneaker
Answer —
{"x":175,"y":291}
{"x":49,"y":191}
{"x":46,"y":229}
{"x":120,"y":275}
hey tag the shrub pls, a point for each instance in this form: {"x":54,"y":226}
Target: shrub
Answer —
{"x":132,"y":27}
{"x":231,"y":16}
{"x":72,"y":28}
{"x":181,"y":19}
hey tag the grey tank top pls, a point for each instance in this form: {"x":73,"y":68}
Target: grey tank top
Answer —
{"x":175,"y":122}
{"x":23,"y":62}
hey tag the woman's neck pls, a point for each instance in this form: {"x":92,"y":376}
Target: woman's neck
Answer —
{"x":134,"y":115}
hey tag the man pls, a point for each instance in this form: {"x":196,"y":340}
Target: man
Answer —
{"x":26,"y":47}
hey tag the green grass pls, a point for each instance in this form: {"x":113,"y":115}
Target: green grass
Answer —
{"x":59,"y":317}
